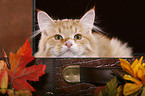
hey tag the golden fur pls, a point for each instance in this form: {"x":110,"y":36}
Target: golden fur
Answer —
{"x":74,"y":38}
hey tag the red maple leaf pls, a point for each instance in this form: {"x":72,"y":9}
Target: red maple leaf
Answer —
{"x":19,"y":73}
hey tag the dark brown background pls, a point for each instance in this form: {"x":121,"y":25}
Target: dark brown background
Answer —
{"x":15,"y":24}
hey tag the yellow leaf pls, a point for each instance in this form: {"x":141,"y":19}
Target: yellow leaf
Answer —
{"x":126,"y":66}
{"x":140,"y":60}
{"x":19,"y":92}
{"x":143,"y":64}
{"x":23,"y":93}
{"x":141,"y":72}
{"x":136,"y":64}
{"x":130,"y":88}
{"x":3,"y":81}
{"x":130,"y":78}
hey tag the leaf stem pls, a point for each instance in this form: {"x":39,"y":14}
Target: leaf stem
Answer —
{"x":17,"y":64}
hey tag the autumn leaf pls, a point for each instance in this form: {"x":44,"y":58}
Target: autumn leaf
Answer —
{"x":25,"y":49}
{"x":120,"y":91}
{"x":19,"y":73}
{"x":22,"y":58}
{"x":131,"y":88}
{"x":3,"y":65}
{"x":110,"y":88}
{"x":135,"y":66}
{"x":143,"y":92}
{"x":137,"y":76}
{"x":3,"y":81}
{"x":19,"y":62}
{"x":11,"y":92}
{"x":126,"y":66}
{"x":31,"y":73}
{"x":98,"y":90}
{"x":3,"y":77}
{"x":130,"y":78}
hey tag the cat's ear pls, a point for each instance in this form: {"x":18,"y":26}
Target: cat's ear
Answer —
{"x":44,"y":20}
{"x":88,"y":18}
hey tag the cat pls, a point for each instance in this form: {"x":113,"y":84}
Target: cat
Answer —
{"x":74,"y":38}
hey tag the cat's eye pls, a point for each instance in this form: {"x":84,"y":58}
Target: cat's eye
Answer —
{"x":78,"y":36}
{"x":58,"y":37}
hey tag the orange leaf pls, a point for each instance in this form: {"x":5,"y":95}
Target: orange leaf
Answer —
{"x":19,"y":62}
{"x":31,"y":73}
{"x":19,"y":73}
{"x":119,"y":90}
{"x":25,"y":49}
{"x":143,"y":79}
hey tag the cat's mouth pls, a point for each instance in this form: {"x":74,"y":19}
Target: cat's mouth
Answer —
{"x":68,"y":50}
{"x":68,"y":53}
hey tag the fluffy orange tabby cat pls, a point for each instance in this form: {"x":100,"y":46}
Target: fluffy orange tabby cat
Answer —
{"x":69,"y":38}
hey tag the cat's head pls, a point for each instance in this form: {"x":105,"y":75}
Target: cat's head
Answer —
{"x":66,"y":37}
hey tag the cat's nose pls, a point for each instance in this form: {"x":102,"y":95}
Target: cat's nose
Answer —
{"x":68,"y":45}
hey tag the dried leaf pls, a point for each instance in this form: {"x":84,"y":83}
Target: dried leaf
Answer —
{"x":19,"y":73}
